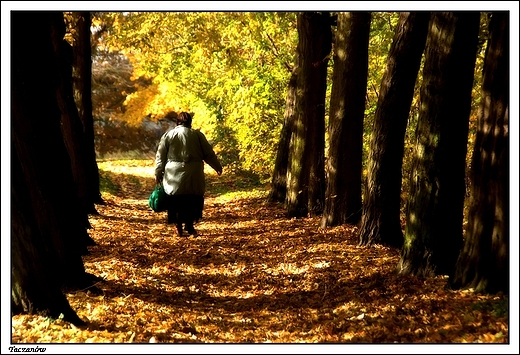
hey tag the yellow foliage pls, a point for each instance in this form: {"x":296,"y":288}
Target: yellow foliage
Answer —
{"x":137,"y":105}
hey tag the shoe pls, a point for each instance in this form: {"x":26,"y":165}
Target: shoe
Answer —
{"x":191,"y":230}
{"x":178,"y":230}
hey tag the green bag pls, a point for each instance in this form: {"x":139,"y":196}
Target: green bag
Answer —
{"x":158,"y":198}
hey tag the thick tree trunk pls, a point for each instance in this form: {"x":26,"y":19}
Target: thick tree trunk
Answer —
{"x":35,"y":289}
{"x":306,"y":175}
{"x":433,"y":233}
{"x":48,"y":225}
{"x":71,"y":126}
{"x":483,"y":263}
{"x":278,"y":190}
{"x":382,"y":201}
{"x":347,"y":105}
{"x":82,"y":74}
{"x":320,"y":30}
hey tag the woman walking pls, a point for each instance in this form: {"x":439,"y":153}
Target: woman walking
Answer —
{"x":179,"y":166}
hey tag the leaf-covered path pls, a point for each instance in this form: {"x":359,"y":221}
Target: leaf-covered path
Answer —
{"x":251,"y":276}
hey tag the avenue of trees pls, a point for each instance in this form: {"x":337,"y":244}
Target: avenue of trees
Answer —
{"x":345,"y":113}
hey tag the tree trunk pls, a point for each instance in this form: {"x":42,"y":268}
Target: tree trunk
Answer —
{"x":47,"y":221}
{"x":433,"y":233}
{"x":306,"y":175}
{"x":34,"y":287}
{"x":71,"y":126}
{"x":382,"y":201}
{"x":347,"y":105}
{"x":278,"y":190}
{"x":321,"y":33}
{"x":82,"y":74}
{"x":484,"y":262}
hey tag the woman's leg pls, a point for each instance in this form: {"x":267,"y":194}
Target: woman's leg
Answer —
{"x":196,"y":205}
{"x":174,"y":216}
{"x":190,"y":228}
{"x":185,"y":209}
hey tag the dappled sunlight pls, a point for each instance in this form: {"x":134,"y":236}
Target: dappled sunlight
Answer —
{"x":252,"y":276}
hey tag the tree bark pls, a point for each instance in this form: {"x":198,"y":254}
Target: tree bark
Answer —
{"x":71,"y":126}
{"x":34,"y":288}
{"x":278,"y":190}
{"x":47,"y":221}
{"x":306,"y":174}
{"x":484,"y":261}
{"x":82,"y":75}
{"x":380,"y":222}
{"x":433,"y":232}
{"x":347,"y":105}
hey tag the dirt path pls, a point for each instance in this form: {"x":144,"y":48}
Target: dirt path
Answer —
{"x":253,"y":276}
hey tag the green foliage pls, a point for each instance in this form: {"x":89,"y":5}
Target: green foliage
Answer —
{"x":230,"y":69}
{"x":240,"y":184}
{"x":499,"y":307}
{"x":107,"y":183}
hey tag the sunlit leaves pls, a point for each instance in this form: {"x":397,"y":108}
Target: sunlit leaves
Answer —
{"x":229,"y":68}
{"x":252,"y":276}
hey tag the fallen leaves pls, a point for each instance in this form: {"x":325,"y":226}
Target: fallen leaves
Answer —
{"x":252,"y":276}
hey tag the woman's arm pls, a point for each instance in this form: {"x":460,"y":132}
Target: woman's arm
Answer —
{"x":209,"y":155}
{"x":160,"y":158}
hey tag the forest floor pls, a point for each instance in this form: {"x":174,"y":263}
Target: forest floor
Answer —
{"x":251,"y":276}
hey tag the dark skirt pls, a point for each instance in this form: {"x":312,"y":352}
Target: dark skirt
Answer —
{"x":185,"y":208}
